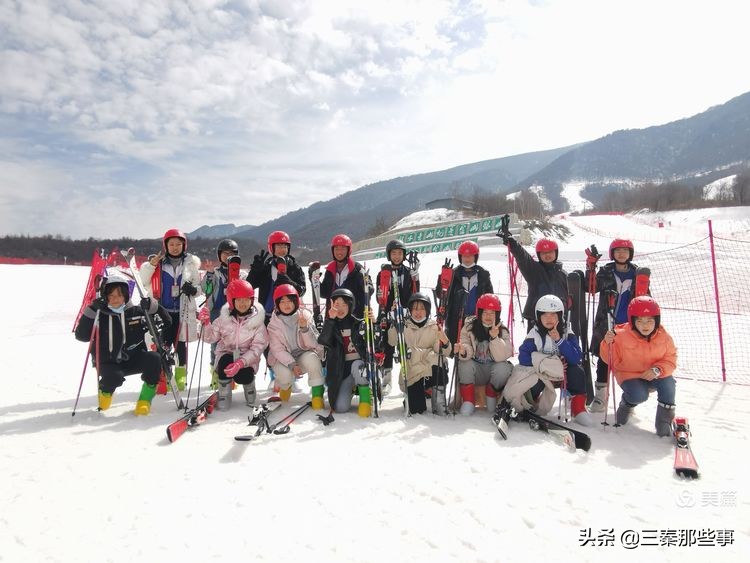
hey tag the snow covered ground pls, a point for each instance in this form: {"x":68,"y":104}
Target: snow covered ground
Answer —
{"x":109,"y":487}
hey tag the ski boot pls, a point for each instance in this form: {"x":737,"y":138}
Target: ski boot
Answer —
{"x":578,"y":411}
{"x":161,"y":387}
{"x":250,"y":395}
{"x":365,"y":408}
{"x":503,"y":413}
{"x":285,"y":394}
{"x":599,"y":404}
{"x":317,"y":397}
{"x":467,"y":396}
{"x":624,"y":410}
{"x":490,"y":399}
{"x":143,"y":406}
{"x":386,"y":385}
{"x":214,"y":379}
{"x":437,"y":401}
{"x":225,"y":395}
{"x":664,"y":418}
{"x":180,"y":376}
{"x":105,"y":400}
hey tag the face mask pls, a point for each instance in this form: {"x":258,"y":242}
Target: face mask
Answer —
{"x":485,"y":325}
{"x":119,"y":309}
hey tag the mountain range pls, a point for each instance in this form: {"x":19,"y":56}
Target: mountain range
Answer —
{"x":694,"y":150}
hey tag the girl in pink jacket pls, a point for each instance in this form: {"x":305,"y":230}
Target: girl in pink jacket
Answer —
{"x":294,"y":348}
{"x":644,"y":358}
{"x":241,"y":337}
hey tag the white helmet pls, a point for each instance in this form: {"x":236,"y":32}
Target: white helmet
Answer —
{"x":549,"y":304}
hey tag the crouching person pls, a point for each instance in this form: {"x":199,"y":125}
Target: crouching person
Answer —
{"x":644,"y":358}
{"x":120,"y":343}
{"x":241,"y":337}
{"x":483,"y":355}
{"x":550,"y":356}
{"x":343,"y":337}
{"x":294,"y":348}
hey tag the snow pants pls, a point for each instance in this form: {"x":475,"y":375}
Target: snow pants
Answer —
{"x":244,"y":376}
{"x":357,"y":376}
{"x":112,"y":375}
{"x":308,"y":362}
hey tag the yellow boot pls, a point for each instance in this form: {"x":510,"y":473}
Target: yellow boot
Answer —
{"x":105,"y":400}
{"x":143,"y":406}
{"x":364,"y":409}
{"x":285,"y":394}
{"x":317,"y":397}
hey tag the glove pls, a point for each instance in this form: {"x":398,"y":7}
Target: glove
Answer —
{"x":591,"y":259}
{"x":259,"y":259}
{"x":98,"y":304}
{"x":232,"y":369}
{"x":204,"y":316}
{"x":281,"y":265}
{"x":189,"y":289}
{"x":146,"y":303}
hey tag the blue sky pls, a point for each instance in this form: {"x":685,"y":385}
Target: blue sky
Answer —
{"x":128,"y":118}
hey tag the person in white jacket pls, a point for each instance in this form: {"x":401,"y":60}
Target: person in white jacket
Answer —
{"x":294,"y":348}
{"x":173,"y":278}
{"x":241,"y":337}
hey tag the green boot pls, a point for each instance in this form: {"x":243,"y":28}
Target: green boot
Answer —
{"x":317,"y":397}
{"x":364,"y":408}
{"x":143,"y":406}
{"x":214,"y":379}
{"x":180,"y":376}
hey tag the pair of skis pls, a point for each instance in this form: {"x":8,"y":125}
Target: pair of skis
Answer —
{"x":570,"y":437}
{"x":371,"y":363}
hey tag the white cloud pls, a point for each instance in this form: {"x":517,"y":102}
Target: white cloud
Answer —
{"x":313,"y":98}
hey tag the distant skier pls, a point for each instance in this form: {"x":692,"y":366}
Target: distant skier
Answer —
{"x":344,"y":273}
{"x":408,"y":283}
{"x":469,"y":282}
{"x":618,"y":276}
{"x":550,"y":356}
{"x":644,"y":358}
{"x":483,"y":355}
{"x":241,"y":337}
{"x":173,"y":278}
{"x":120,"y":344}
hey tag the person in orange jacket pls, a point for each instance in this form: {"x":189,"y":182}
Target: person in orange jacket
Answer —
{"x":644,"y":357}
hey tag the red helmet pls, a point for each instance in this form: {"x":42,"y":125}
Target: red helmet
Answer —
{"x":546,"y":245}
{"x":238,"y":289}
{"x":278,"y":237}
{"x":468,"y":248}
{"x":643,"y":306}
{"x":285,"y":289}
{"x":342,"y":240}
{"x":174,"y":233}
{"x":489,"y":302}
{"x":621,"y":243}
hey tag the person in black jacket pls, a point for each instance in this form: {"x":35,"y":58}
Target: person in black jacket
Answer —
{"x":344,"y":272}
{"x":343,"y":337}
{"x":120,"y":347}
{"x":544,"y":276}
{"x":617,"y":276}
{"x":469,"y":282}
{"x":273,"y":268}
{"x":408,"y":284}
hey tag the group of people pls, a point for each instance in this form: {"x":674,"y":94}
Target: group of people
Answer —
{"x":246,"y":317}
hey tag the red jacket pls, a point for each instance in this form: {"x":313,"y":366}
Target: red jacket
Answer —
{"x":632,"y":354}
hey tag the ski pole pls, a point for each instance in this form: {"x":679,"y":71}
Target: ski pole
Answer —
{"x":94,"y":330}
{"x":610,"y":296}
{"x":198,"y":349}
{"x":276,"y":429}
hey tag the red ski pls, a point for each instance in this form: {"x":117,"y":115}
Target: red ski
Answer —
{"x":684,"y":461}
{"x":642,"y":277}
{"x":233,"y":266}
{"x":193,"y":417}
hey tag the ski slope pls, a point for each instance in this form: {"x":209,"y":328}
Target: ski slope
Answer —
{"x":109,"y":487}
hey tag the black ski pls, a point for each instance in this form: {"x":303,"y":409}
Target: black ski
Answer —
{"x":579,"y":322}
{"x":164,"y":355}
{"x":574,"y":439}
{"x":684,"y":461}
{"x":280,"y":427}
